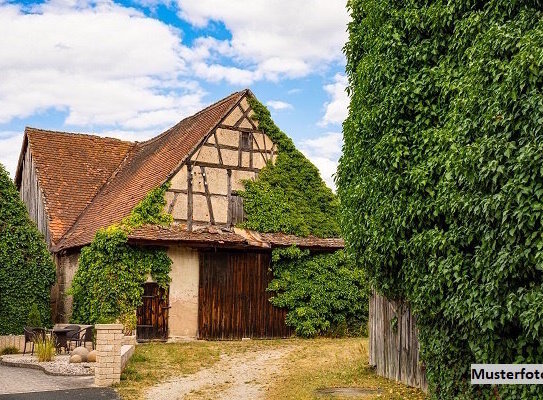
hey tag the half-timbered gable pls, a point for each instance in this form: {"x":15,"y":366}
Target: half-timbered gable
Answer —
{"x":205,"y":189}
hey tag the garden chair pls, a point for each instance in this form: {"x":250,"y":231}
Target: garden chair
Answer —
{"x":32,"y":335}
{"x":85,"y":335}
{"x":73,"y":336}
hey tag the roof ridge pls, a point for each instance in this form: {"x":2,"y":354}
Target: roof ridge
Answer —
{"x":195,"y":115}
{"x":87,"y":135}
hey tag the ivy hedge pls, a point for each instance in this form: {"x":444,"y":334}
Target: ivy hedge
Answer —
{"x":323,"y":293}
{"x":108,"y":284}
{"x":441,"y":180}
{"x":27,"y":271}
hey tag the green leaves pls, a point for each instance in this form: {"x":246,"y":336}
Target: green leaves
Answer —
{"x":288,"y":196}
{"x":109,"y":281}
{"x":27,"y":271}
{"x":323,"y":292}
{"x":441,"y":181}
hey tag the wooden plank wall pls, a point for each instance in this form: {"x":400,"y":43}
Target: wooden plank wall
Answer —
{"x":32,"y":196}
{"x":233,"y":300}
{"x":394,"y":350}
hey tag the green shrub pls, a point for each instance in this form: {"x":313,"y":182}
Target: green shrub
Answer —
{"x":441,"y":180}
{"x":323,"y":293}
{"x":34,"y":318}
{"x":109,"y":281}
{"x":27,"y":271}
{"x":9,"y":350}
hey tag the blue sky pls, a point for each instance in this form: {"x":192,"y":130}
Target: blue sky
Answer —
{"x":131,"y":69}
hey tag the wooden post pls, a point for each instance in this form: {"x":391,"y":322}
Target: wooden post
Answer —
{"x":189,"y":196}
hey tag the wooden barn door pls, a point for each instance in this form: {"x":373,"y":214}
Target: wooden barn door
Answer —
{"x":153,"y":314}
{"x":233,"y":301}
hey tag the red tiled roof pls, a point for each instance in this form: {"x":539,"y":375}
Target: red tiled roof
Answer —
{"x":240,"y":238}
{"x":282,"y":239}
{"x":148,"y":165}
{"x":71,"y":168}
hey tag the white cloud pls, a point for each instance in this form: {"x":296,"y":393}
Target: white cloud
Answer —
{"x":10,"y":146}
{"x":337,"y":108}
{"x":279,"y":105}
{"x":272,"y":39}
{"x":324,"y":152}
{"x":101,"y":63}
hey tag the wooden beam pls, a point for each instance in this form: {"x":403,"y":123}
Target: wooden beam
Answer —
{"x":172,"y":204}
{"x":240,"y":140}
{"x":230,"y":147}
{"x":229,"y":196}
{"x":251,"y":152}
{"x":232,"y":167}
{"x":239,"y":128}
{"x":194,"y":192}
{"x":245,"y":114}
{"x":208,"y":196}
{"x":189,"y":196}
{"x":265,"y":158}
{"x":217,"y":146}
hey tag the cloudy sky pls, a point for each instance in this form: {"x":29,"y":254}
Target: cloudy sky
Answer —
{"x":131,"y":69}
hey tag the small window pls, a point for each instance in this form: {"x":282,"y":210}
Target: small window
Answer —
{"x":246,"y":142}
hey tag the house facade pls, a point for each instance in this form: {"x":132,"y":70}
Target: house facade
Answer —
{"x":75,"y":184}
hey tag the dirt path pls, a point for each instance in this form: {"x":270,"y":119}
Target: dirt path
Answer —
{"x":241,"y":376}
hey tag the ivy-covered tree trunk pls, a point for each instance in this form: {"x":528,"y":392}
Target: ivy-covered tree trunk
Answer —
{"x":27,"y":271}
{"x":441,"y":179}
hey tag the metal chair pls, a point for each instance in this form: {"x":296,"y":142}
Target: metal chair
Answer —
{"x":32,"y":335}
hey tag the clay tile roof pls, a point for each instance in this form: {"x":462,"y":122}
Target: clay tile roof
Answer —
{"x":147,"y":166}
{"x":65,"y":161}
{"x":313,"y":242}
{"x":153,"y":233}
{"x":239,"y":238}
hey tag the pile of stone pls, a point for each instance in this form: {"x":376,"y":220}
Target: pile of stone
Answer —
{"x":82,"y":354}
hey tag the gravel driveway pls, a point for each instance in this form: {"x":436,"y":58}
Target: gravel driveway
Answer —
{"x":242,"y":376}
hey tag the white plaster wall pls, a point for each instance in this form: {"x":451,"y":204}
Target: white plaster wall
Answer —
{"x":183,"y":315}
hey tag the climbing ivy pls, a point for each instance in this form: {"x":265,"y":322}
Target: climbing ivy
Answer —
{"x":322,"y":292}
{"x":289,"y":195}
{"x":441,"y":180}
{"x":27,"y":271}
{"x":108,"y":284}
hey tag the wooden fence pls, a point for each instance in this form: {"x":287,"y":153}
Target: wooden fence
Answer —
{"x":394,"y":347}
{"x":17,"y":341}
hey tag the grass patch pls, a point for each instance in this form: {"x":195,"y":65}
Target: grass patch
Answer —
{"x":312,"y":364}
{"x":325,"y":363}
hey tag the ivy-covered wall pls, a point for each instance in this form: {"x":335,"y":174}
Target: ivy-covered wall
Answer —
{"x":323,"y":293}
{"x":27,"y":271}
{"x":441,"y":181}
{"x":288,"y":196}
{"x":108,"y":284}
